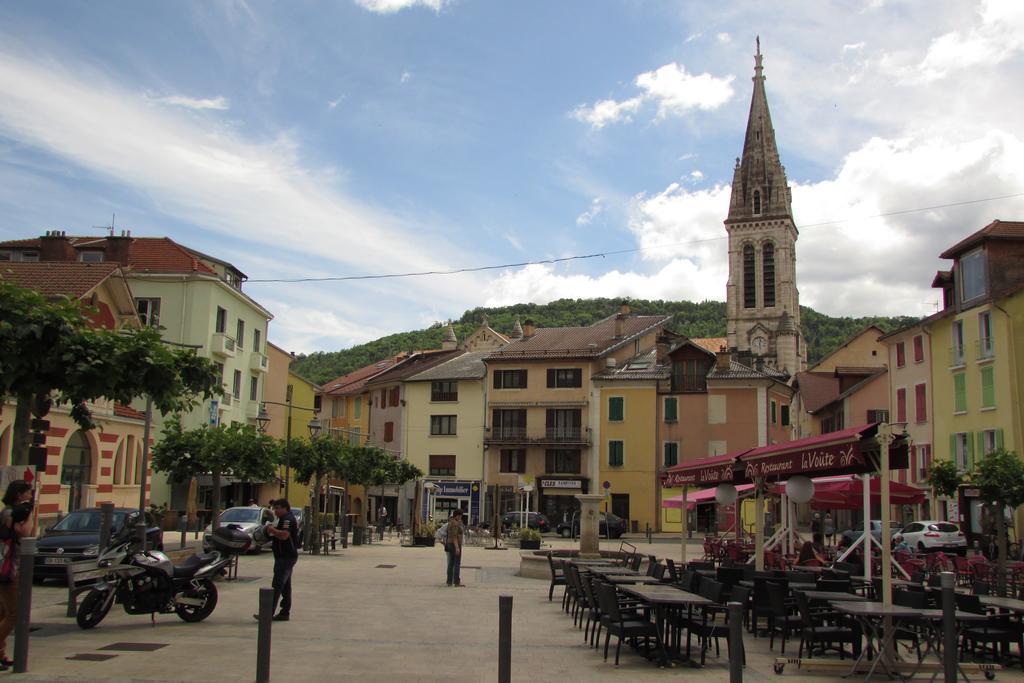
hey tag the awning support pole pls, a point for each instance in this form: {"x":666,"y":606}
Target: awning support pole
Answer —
{"x":866,"y":536}
{"x":758,"y":526}
{"x":885,"y":439}
{"x":683,"y":524}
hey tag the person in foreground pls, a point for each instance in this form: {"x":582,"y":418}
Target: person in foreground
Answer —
{"x":286,"y":554}
{"x":16,"y":522}
{"x":453,"y":546}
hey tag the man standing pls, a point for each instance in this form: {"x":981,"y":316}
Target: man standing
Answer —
{"x":286,"y":554}
{"x":453,"y":545}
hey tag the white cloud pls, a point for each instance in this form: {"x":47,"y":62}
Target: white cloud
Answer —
{"x":997,"y":35}
{"x":723,"y":37}
{"x":596,"y":207}
{"x":220,"y":103}
{"x":405,"y":77}
{"x":607,"y":111}
{"x":392,"y":6}
{"x":513,"y":240}
{"x":696,"y":175}
{"x":333,"y":104}
{"x":675,"y":91}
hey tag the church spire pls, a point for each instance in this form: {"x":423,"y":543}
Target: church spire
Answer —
{"x":759,"y":186}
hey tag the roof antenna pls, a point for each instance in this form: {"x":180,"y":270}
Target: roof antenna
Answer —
{"x":108,"y":228}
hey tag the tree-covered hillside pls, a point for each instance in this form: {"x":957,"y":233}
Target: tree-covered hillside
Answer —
{"x":706,"y":319}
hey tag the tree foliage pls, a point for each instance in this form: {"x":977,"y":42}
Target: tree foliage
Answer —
{"x":49,"y":348}
{"x":999,"y":478}
{"x":705,"y":319}
{"x":945,"y":478}
{"x":237,"y":451}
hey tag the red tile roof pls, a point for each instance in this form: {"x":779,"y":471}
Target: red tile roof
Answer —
{"x":128,"y":411}
{"x":415,"y":364}
{"x":153,"y":254}
{"x":592,"y":341}
{"x":57,"y":278}
{"x":817,"y":389}
{"x":1007,"y":230}
{"x":353,"y":382}
{"x":712,"y":344}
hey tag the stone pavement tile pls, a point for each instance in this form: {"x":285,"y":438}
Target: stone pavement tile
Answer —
{"x":352,"y":621}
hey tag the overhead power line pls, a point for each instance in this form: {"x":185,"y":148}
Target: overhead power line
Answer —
{"x":615,"y":252}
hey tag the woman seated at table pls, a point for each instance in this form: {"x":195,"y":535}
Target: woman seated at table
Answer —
{"x":809,"y":555}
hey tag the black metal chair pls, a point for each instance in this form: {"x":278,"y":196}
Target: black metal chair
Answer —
{"x":659,"y":571}
{"x":822,"y":625}
{"x":652,"y":562}
{"x":673,"y":574}
{"x":616,"y":624}
{"x":557,"y":578}
{"x":760,"y":605}
{"x":995,"y":631}
{"x":703,"y":624}
{"x":634,"y":563}
{"x":835,"y":585}
{"x":782,"y":616}
{"x":575,"y":604}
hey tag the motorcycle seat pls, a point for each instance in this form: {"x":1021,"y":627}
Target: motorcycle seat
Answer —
{"x":189,"y":567}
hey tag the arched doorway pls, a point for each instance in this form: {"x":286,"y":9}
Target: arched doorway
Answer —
{"x":76,"y":469}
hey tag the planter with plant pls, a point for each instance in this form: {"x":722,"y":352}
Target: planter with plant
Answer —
{"x":425,"y":534}
{"x":529,"y":539}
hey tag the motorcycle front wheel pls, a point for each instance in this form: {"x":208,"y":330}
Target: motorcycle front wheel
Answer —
{"x":207,"y":592}
{"x":93,"y":608}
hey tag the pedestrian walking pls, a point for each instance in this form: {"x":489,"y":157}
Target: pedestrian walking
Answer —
{"x":16,"y":522}
{"x":286,"y":554}
{"x":829,"y":528}
{"x":453,"y":546}
{"x":816,"y":529}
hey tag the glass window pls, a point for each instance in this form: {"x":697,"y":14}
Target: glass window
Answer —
{"x":671,"y":453}
{"x":565,"y":377}
{"x":510,"y":379}
{"x":749,"y":278}
{"x":513,"y":460}
{"x":985,"y":348}
{"x":768,"y":274}
{"x":442,"y":425}
{"x":562,"y":461}
{"x":222,"y":320}
{"x":957,"y":332}
{"x":91,"y":256}
{"x":671,"y":409}
{"x":442,"y":465}
{"x":149,"y":311}
{"x":447,"y":390}
{"x":785,"y":415}
{"x":257,"y":340}
{"x":962,"y":448}
{"x":616,"y":453}
{"x":615,"y":408}
{"x":254,"y":388}
{"x":972,"y":275}
{"x":774,"y":410}
{"x":236,"y":384}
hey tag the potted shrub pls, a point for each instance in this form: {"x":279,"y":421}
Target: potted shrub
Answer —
{"x":529,"y":539}
{"x":425,"y":534}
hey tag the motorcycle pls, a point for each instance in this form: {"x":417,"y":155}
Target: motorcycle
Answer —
{"x":147,"y":582}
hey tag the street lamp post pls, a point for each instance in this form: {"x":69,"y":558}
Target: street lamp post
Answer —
{"x":263,"y":419}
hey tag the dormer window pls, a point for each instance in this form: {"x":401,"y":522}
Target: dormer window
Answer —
{"x":971,"y":269}
{"x":91,"y":256}
{"x":757,"y":202}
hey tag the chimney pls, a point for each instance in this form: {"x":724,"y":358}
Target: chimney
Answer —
{"x":722,"y":360}
{"x":529,"y":329}
{"x":55,"y":246}
{"x":619,"y":327}
{"x":661,"y":345}
{"x":117,"y":247}
{"x":624,"y":308}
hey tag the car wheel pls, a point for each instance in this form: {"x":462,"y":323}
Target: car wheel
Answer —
{"x":38,"y":580}
{"x":920,"y":546}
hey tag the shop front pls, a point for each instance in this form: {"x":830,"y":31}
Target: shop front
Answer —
{"x":448,"y":496}
{"x":557,"y":497}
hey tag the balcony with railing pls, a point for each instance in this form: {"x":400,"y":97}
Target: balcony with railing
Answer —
{"x":258,"y":362}
{"x":985,"y":349}
{"x":956,"y":356}
{"x":550,"y":436}
{"x":227,"y":400}
{"x":222,"y":345}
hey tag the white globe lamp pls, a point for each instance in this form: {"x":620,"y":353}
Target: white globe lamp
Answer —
{"x":725,"y":494}
{"x":800,"y":489}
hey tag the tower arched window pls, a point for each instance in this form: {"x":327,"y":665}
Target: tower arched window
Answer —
{"x":749,"y":278}
{"x":768,"y":273}
{"x":757,"y":202}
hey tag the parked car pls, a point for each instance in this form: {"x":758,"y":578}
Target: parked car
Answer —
{"x":246,"y":519}
{"x":933,"y":535}
{"x":609,"y":526}
{"x":851,"y":535}
{"x":534,"y":520}
{"x":77,"y":537}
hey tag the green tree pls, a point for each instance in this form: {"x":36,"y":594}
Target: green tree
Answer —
{"x":49,"y":350}
{"x":945,"y":479}
{"x":999,"y":478}
{"x":237,"y":451}
{"x":312,"y":461}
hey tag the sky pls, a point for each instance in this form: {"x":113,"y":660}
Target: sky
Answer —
{"x":364,"y":137}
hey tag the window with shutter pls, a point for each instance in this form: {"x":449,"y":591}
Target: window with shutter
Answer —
{"x":442,"y":465}
{"x":671,"y":453}
{"x":615,"y":408}
{"x":920,"y":405}
{"x":785,"y":415}
{"x":901,"y":354}
{"x":389,"y":432}
{"x":775,"y":408}
{"x":671,"y":409}
{"x":513,"y":460}
{"x":395,"y":392}
{"x":616,"y":453}
{"x":960,"y":393}
{"x":988,"y":387}
{"x":510,"y":379}
{"x":918,"y":349}
{"x":901,"y":405}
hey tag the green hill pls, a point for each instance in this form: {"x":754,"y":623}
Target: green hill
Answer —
{"x":706,"y":319}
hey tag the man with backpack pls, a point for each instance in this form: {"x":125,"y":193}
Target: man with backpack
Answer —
{"x":286,"y":553}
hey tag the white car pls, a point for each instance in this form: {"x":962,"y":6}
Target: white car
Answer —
{"x":245,"y":519}
{"x":932,"y":535}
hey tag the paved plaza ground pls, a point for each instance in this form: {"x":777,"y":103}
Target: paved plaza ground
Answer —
{"x":368,"y":613}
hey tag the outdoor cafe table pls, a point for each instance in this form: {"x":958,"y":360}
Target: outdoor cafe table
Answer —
{"x":661,"y":598}
{"x":1008,"y":604}
{"x":833,"y":596}
{"x":798,"y":586}
{"x":622,"y":580}
{"x":612,"y":571}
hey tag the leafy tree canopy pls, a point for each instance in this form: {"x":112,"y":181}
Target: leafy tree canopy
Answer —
{"x":945,"y":478}
{"x":705,"y":319}
{"x":238,"y":451}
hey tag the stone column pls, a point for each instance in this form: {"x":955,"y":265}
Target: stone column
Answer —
{"x":589,"y":524}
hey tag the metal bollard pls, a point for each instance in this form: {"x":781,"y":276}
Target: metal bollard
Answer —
{"x":735,"y":642}
{"x":504,"y":639}
{"x":182,"y":527}
{"x":24,"y":615}
{"x":72,"y":595}
{"x":106,"y":521}
{"x":263,"y":635}
{"x":949,"y":632}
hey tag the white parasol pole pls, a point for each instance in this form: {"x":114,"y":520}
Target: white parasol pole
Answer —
{"x":758,"y":527}
{"x":885,"y":439}
{"x":683,"y":523}
{"x":866,"y":537}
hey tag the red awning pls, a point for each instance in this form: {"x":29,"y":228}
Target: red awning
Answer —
{"x":703,"y":496}
{"x":717,"y":469}
{"x":847,"y":493}
{"x":842,"y":452}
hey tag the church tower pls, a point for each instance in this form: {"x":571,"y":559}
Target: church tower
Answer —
{"x":762,"y":303}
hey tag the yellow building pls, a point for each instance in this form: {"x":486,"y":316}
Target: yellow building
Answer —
{"x":977,"y":346}
{"x":282,"y":386}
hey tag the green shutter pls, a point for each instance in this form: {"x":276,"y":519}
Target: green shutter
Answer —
{"x":988,"y":388}
{"x":981,"y":443}
{"x":952,"y":449}
{"x":970,"y":452}
{"x":773,"y":411}
{"x":671,"y":410}
{"x":999,"y":438}
{"x":615,"y":409}
{"x":960,"y":393}
{"x":615,"y":453}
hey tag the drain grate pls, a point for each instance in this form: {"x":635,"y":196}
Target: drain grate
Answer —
{"x":385,"y":566}
{"x":134,"y":647}
{"x":90,"y":657}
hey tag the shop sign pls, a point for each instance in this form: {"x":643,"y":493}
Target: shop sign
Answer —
{"x":561,"y":483}
{"x":813,"y":460}
{"x":698,"y":476}
{"x":457,"y":489}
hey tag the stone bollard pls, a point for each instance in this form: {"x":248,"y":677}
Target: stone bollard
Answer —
{"x":24,"y":615}
{"x":735,"y":642}
{"x":504,"y":639}
{"x":948,"y":628}
{"x":263,"y":634}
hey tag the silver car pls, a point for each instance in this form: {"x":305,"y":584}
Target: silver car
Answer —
{"x":246,"y":519}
